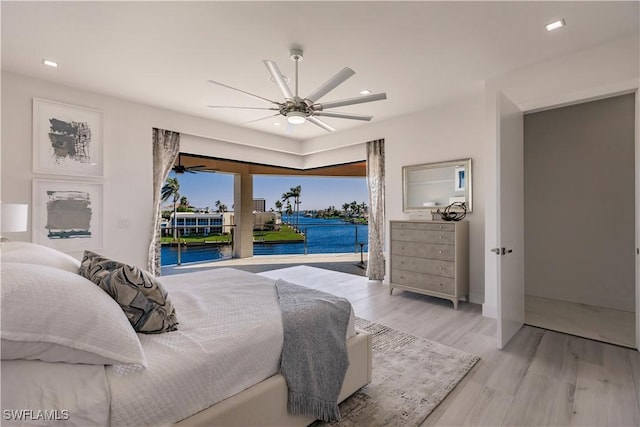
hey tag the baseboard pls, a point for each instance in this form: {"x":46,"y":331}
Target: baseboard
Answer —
{"x":476,"y":297}
{"x":489,"y":311}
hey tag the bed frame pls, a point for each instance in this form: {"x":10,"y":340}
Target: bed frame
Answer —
{"x":265,"y":404}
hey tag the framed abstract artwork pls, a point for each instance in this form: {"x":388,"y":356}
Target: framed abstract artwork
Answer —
{"x":67,"y":140}
{"x":67,"y":215}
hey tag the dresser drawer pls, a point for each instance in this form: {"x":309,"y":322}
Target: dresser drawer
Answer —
{"x":426,"y":266}
{"x":434,"y":226}
{"x":423,"y":250}
{"x":426,"y":282}
{"x":425,"y":236}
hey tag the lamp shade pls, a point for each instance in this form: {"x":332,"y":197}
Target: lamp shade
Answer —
{"x":14,"y":217}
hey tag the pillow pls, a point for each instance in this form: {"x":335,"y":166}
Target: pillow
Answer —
{"x":31,"y":253}
{"x":56,"y":316}
{"x":142,"y":298}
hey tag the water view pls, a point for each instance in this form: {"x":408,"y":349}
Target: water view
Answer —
{"x":323,"y":236}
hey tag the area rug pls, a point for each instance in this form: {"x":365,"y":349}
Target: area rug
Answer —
{"x":411,"y":376}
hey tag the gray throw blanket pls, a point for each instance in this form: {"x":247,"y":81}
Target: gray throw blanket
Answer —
{"x":314,"y":352}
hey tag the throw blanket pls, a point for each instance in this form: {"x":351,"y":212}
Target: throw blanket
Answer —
{"x":314,"y":352}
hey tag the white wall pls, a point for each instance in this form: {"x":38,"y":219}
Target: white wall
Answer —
{"x":448,"y":132}
{"x":127,"y":154}
{"x":241,"y":152}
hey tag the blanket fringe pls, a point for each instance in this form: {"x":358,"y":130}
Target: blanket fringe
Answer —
{"x":304,"y":404}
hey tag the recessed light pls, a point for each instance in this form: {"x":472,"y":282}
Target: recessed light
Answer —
{"x":555,"y":25}
{"x":365,"y":92}
{"x":276,"y":123}
{"x":49,"y":63}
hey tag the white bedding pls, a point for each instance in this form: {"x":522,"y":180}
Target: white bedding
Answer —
{"x":229,"y":338}
{"x":32,"y":385}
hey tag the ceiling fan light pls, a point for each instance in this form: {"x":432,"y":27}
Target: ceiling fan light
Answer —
{"x":296,"y":117}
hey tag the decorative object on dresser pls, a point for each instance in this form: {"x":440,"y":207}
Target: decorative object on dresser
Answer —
{"x":431,"y":258}
{"x":451,"y":214}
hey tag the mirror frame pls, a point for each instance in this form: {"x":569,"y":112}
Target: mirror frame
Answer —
{"x":460,"y":162}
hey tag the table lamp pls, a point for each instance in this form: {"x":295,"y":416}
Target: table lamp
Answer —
{"x":13,"y":217}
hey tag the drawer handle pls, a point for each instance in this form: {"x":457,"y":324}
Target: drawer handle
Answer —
{"x":439,"y":252}
{"x":439,"y":237}
{"x":441,"y":268}
{"x":441,"y":227}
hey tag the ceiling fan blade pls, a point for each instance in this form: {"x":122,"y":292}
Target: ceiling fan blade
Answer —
{"x":243,"y":108}
{"x":320,"y":123}
{"x":352,"y":101}
{"x":242,"y":91}
{"x":343,"y":115}
{"x":277,"y":77}
{"x":262,"y":118}
{"x":331,"y":84}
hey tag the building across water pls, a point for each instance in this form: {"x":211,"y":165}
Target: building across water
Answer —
{"x":207,"y":223}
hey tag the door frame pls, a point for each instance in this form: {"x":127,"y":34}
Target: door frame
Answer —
{"x":490,"y":307}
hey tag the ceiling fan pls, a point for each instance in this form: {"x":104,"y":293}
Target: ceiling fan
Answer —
{"x":297,"y":110}
{"x":179,"y":168}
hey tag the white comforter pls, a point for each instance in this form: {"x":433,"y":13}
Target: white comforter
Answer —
{"x":229,"y":338}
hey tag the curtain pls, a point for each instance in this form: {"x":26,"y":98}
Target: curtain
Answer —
{"x":166,"y":145}
{"x":375,"y":182}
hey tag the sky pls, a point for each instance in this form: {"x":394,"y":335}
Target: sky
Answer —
{"x":203,"y":189}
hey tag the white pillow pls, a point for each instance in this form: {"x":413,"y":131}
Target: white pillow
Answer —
{"x":56,"y":316}
{"x":32,"y":253}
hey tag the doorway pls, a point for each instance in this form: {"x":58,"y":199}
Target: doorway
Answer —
{"x":579,"y":198}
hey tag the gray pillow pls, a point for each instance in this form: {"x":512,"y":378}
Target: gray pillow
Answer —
{"x":142,"y":298}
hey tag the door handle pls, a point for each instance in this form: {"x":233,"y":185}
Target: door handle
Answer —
{"x":501,"y":251}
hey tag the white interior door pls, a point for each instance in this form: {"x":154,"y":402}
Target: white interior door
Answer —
{"x":509,"y":253}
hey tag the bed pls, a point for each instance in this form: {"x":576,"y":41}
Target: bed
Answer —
{"x":220,"y":367}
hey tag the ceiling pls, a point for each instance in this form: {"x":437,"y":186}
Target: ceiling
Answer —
{"x":420,"y":53}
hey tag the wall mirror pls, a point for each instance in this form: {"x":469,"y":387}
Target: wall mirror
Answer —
{"x":435,"y":185}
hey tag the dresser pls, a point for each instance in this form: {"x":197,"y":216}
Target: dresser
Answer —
{"x":431,"y":258}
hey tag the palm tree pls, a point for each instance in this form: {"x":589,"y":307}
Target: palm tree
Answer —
{"x":171,"y":188}
{"x":294,"y":193}
{"x":288,"y":209}
{"x":345,"y":208}
{"x":355,"y":207}
{"x":222,"y":207}
{"x":279,"y":206}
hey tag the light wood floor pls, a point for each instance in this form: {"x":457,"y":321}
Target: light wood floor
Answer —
{"x":541,"y":378}
{"x":598,"y":323}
